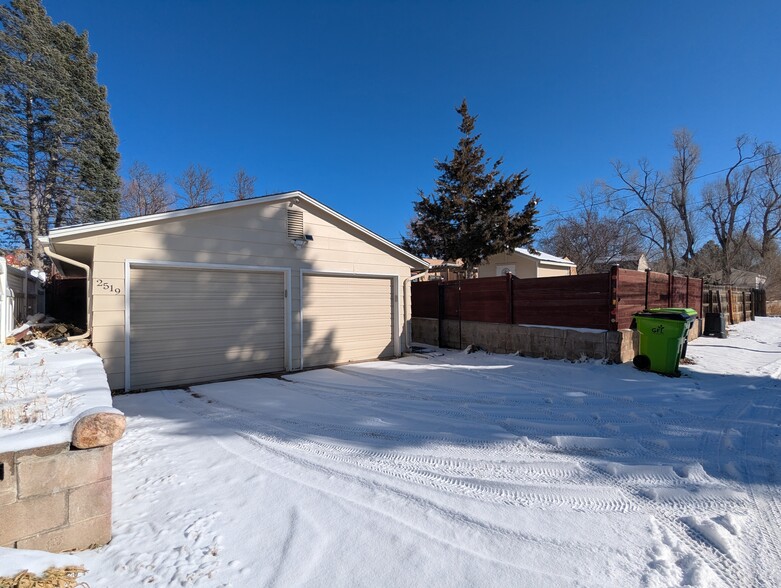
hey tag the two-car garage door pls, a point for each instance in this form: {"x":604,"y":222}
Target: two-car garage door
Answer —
{"x":192,"y":325}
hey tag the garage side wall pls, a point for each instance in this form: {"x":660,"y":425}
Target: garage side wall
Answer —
{"x":242,"y":236}
{"x":524,"y":267}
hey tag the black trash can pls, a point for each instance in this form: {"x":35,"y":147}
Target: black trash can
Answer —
{"x":715,"y":325}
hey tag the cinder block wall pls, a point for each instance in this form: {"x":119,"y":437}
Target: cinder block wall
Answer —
{"x":534,"y":341}
{"x":55,"y":498}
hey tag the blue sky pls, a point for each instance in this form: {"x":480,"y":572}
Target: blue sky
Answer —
{"x":352,"y":101}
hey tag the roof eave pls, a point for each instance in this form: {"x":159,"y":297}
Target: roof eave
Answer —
{"x":123,"y":224}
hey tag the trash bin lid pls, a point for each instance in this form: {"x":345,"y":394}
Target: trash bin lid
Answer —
{"x":678,"y":314}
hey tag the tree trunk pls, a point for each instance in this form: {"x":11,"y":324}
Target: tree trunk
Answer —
{"x":36,"y":252}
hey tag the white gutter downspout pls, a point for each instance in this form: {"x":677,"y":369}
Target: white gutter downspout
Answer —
{"x":4,"y":306}
{"x":26,"y":292}
{"x":408,"y":330}
{"x":47,"y":249}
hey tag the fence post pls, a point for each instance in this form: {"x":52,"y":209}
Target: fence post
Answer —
{"x":729,"y":306}
{"x":647,"y":277}
{"x":460,"y":344}
{"x":613,"y":301}
{"x":510,"y":318}
{"x":743,"y":295}
{"x":441,"y":312}
{"x":702,"y":300}
{"x":669,"y":289}
{"x":760,"y":308}
{"x":687,"y":291}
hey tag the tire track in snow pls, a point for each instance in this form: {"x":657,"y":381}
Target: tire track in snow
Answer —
{"x":764,"y":496}
{"x":427,"y":507}
{"x":393,"y":465}
{"x":726,"y":567}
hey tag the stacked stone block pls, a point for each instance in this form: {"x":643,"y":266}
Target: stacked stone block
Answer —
{"x":58,"y":497}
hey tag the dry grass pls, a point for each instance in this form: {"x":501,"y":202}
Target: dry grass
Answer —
{"x":23,"y":394}
{"x":67,"y":577}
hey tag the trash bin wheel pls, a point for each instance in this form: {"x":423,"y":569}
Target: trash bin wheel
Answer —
{"x":642,"y":362}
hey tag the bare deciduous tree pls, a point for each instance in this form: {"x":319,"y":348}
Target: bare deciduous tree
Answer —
{"x":768,"y":198}
{"x":727,"y":204}
{"x":642,"y":198}
{"x":242,"y":185}
{"x":197,"y":187}
{"x":686,"y":159}
{"x":145,"y":192}
{"x":589,"y":237}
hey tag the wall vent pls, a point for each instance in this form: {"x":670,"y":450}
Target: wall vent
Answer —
{"x":295,"y":225}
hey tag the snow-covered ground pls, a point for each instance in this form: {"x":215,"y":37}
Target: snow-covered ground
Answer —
{"x":45,"y":389}
{"x":454,"y":469}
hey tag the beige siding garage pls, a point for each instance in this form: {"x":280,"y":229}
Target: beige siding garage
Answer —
{"x":346,"y":318}
{"x":193,"y":325}
{"x":255,"y":233}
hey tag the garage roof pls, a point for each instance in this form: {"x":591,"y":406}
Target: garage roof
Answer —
{"x":543,"y":257}
{"x":125,"y":223}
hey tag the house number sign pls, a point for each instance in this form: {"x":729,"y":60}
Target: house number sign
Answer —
{"x":107,"y":286}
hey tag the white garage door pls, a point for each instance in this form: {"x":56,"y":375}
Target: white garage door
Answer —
{"x":346,"y":319}
{"x":195,"y":325}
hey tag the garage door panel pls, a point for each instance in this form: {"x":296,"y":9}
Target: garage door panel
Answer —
{"x":174,"y":350}
{"x":191,"y":325}
{"x":175,"y":377}
{"x":346,"y":355}
{"x":378,"y":335}
{"x":163,"y":297}
{"x":208,"y":362}
{"x":207,"y":328}
{"x":347,"y":319}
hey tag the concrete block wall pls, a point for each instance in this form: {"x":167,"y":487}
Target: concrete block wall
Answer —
{"x":533,"y":341}
{"x":55,"y":498}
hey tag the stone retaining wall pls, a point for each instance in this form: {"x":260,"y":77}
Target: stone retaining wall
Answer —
{"x":55,"y":498}
{"x":533,"y":341}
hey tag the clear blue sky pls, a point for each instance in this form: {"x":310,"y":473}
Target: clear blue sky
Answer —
{"x":352,"y":101}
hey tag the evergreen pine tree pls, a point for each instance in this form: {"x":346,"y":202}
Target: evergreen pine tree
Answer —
{"x":58,"y":149}
{"x":469,"y":216}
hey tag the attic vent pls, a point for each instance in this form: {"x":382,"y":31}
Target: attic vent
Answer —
{"x":295,"y":225}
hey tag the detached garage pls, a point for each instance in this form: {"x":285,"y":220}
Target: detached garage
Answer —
{"x":272,"y":284}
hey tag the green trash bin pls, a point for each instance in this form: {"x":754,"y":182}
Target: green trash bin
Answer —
{"x":663,"y":337}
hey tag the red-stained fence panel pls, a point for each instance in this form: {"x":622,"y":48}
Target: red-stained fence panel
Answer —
{"x":565,"y":301}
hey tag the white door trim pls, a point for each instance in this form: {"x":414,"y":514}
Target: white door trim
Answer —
{"x":394,"y":278}
{"x":286,"y":271}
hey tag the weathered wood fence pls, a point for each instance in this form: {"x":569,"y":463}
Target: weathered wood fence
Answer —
{"x":66,"y":300}
{"x":738,"y":304}
{"x":597,"y":301}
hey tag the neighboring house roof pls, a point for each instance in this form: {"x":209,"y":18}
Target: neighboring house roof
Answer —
{"x":739,"y":278}
{"x":458,"y":264}
{"x":543,"y":257}
{"x":126,"y":223}
{"x":635,"y":261}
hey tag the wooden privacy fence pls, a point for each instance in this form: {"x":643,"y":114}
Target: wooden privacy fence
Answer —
{"x":597,"y":301}
{"x":636,"y":291}
{"x":737,"y":304}
{"x":66,"y":300}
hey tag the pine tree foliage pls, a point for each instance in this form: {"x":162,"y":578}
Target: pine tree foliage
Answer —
{"x":58,"y":148}
{"x":469,"y":216}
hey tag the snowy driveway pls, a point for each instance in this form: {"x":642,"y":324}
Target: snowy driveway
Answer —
{"x":448,"y":469}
